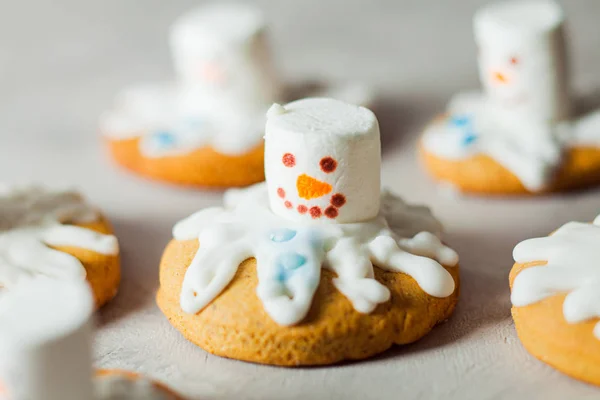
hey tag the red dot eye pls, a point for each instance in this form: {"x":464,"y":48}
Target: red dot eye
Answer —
{"x":289,"y":160}
{"x":328,"y":164}
{"x":514,"y":61}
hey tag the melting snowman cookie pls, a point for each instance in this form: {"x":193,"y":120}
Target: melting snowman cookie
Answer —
{"x":55,"y":234}
{"x":321,"y":208}
{"x":556,"y":298}
{"x":519,"y":135}
{"x":46,"y":348}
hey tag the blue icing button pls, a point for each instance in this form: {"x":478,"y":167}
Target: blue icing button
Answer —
{"x":282,"y":235}
{"x":469,"y":139}
{"x":460,"y":120}
{"x":282,"y":275}
{"x":164,"y":138}
{"x":290,"y":261}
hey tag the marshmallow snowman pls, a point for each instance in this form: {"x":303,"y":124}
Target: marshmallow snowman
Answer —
{"x":322,"y":161}
{"x":522,"y":58}
{"x":222,"y":59}
{"x":45,"y":340}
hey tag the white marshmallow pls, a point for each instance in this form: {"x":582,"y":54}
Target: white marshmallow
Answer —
{"x":221,"y":56}
{"x":322,"y":161}
{"x":45,"y":340}
{"x":522,"y":58}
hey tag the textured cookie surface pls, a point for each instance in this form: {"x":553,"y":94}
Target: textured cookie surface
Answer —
{"x":103,"y":272}
{"x":482,"y":174}
{"x":235,"y":324}
{"x":201,"y":167}
{"x":544,"y":332}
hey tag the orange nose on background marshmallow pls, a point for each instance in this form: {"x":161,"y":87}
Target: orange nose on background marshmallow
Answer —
{"x":499,"y":77}
{"x":311,"y":188}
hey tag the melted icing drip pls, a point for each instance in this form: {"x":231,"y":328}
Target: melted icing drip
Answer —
{"x":572,"y":254}
{"x":31,"y":219}
{"x":290,"y":254}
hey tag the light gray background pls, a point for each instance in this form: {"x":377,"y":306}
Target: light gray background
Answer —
{"x":61,"y":63}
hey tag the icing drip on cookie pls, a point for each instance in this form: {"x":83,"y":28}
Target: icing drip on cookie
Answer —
{"x":290,"y":254}
{"x":119,"y":387}
{"x":522,"y":120}
{"x":31,"y":219}
{"x":572,"y":254}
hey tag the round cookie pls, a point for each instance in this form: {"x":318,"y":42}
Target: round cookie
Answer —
{"x":56,"y":234}
{"x":555,"y":288}
{"x":520,"y":135}
{"x":125,"y":385}
{"x":203,"y":167}
{"x":206,"y":128}
{"x":317,"y":265}
{"x":481,"y":174}
{"x":235,"y":325}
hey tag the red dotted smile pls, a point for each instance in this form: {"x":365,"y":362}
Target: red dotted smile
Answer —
{"x":310,"y":188}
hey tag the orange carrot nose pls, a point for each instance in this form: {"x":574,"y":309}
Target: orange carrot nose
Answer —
{"x":499,"y":77}
{"x":311,"y":188}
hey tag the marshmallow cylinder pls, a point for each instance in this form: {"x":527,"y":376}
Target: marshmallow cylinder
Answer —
{"x":522,"y":57}
{"x":322,"y":161}
{"x":45,"y":340}
{"x":221,"y":55}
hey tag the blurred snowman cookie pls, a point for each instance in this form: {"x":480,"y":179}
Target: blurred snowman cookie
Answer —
{"x":317,"y":265}
{"x":56,"y":234}
{"x":556,"y":299}
{"x":46,"y":348}
{"x":207,"y":128}
{"x":521,"y":135}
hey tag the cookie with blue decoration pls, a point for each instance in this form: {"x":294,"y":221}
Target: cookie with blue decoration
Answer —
{"x":318,"y":264}
{"x":522,"y":134}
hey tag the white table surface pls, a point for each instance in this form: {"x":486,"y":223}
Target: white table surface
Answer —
{"x":62,"y":61}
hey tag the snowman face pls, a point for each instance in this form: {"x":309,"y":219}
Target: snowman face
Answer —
{"x":322,"y":161}
{"x":312,"y":185}
{"x":206,"y":64}
{"x":522,"y":58}
{"x":233,"y":70}
{"x":509,"y":73}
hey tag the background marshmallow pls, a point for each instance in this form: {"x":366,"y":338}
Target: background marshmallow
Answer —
{"x":322,"y":161}
{"x":221,"y":55}
{"x":522,"y":57}
{"x":45,"y":340}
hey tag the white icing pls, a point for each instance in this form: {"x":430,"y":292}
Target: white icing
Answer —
{"x":31,"y":219}
{"x":45,"y":340}
{"x":522,"y":118}
{"x":572,"y":254}
{"x":290,"y":254}
{"x":117,"y":387}
{"x":318,"y":150}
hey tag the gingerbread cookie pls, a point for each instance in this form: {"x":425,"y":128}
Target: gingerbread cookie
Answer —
{"x":58,"y":235}
{"x":521,"y":135}
{"x":45,"y":347}
{"x":556,"y":299}
{"x":207,"y":128}
{"x":284,"y":273}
